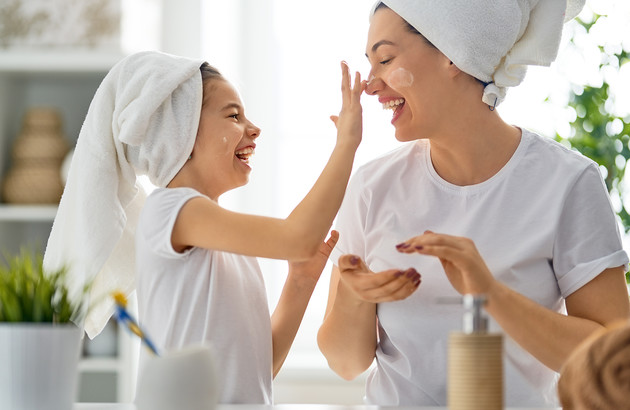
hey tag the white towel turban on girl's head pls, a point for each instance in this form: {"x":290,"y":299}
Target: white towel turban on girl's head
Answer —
{"x":492,"y":40}
{"x":143,"y":120}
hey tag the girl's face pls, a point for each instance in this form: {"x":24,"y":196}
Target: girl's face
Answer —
{"x":407,"y":75}
{"x":225,"y":139}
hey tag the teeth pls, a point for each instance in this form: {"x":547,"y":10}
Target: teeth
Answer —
{"x":392,"y":104}
{"x":245,"y":153}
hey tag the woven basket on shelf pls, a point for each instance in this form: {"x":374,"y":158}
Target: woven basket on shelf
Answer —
{"x":38,"y":153}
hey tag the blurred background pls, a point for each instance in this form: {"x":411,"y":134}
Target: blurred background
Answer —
{"x":284,"y":58}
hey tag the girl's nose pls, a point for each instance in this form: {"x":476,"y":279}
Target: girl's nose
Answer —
{"x":253,"y":131}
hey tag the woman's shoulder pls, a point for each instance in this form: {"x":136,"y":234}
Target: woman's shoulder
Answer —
{"x":393,"y":159}
{"x":549,"y":151}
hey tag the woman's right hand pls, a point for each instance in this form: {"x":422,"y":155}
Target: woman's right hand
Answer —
{"x":349,"y":122}
{"x":367,"y":286}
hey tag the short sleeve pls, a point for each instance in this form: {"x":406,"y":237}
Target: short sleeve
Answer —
{"x":588,"y":238}
{"x":158,"y":219}
{"x":350,"y":222}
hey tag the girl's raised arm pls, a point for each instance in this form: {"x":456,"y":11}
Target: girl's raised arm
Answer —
{"x":203,"y":223}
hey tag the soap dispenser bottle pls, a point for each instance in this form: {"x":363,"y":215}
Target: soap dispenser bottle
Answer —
{"x":475,"y":361}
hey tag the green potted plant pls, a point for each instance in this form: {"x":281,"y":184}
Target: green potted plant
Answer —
{"x":39,"y":343}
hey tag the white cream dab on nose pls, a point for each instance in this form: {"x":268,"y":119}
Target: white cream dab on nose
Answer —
{"x":400,"y":78}
{"x":224,"y":140}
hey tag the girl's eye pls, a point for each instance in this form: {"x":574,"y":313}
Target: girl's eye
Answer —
{"x":235,"y":116}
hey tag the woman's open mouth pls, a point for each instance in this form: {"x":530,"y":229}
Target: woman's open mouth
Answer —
{"x":396,"y":105}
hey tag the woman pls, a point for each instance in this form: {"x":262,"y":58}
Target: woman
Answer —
{"x":476,"y":205}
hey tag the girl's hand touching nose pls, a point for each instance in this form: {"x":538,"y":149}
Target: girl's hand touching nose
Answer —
{"x":349,"y":122}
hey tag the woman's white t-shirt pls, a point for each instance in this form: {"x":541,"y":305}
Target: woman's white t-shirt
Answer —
{"x":543,"y":224}
{"x":204,"y":296}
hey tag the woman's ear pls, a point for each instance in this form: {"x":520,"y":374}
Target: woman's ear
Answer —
{"x":453,"y":70}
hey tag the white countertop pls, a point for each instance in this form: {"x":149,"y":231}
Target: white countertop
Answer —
{"x":124,"y":406}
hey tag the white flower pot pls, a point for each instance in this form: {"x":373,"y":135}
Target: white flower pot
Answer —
{"x":39,"y":365}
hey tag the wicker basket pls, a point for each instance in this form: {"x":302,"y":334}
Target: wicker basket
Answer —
{"x":37,"y":156}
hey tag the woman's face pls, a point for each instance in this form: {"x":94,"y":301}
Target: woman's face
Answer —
{"x":225,"y":139}
{"x":407,"y":75}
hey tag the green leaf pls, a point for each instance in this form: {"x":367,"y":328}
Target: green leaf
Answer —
{"x":28,"y":294}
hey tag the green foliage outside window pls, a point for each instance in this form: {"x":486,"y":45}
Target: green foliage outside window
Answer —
{"x":598,"y":131}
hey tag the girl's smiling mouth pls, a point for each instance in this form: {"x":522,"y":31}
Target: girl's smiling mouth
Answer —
{"x":244,"y":154}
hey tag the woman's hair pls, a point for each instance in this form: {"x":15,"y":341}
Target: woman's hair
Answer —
{"x":411,"y":28}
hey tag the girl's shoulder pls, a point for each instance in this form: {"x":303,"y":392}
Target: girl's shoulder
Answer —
{"x":163,"y":193}
{"x":164,"y":201}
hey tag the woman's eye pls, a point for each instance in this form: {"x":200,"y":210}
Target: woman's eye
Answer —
{"x":235,"y":116}
{"x":386,"y":61}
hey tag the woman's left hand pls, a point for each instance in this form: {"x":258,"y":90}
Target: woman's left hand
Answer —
{"x":311,"y":269}
{"x":462,"y":263}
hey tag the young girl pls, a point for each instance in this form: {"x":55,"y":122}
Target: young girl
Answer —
{"x":182,"y":124}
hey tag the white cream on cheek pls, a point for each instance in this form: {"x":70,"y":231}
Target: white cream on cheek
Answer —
{"x":400,"y":78}
{"x":227,"y":146}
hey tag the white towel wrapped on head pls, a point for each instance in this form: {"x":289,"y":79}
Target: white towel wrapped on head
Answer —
{"x":492,"y":40}
{"x":143,"y":120}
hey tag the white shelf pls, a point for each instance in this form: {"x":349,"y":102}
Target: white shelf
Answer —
{"x":99,"y":364}
{"x":66,"y":79}
{"x":58,"y":61}
{"x":28,"y":213}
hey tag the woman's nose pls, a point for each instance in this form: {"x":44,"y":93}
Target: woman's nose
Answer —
{"x":373,"y":84}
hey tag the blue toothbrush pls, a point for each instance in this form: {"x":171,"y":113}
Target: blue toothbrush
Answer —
{"x":125,"y":319}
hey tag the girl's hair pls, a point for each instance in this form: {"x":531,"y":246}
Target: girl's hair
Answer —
{"x":208,"y":73}
{"x":411,"y":28}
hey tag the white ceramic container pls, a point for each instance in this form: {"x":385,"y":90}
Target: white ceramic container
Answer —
{"x":40,"y":363}
{"x":184,"y":379}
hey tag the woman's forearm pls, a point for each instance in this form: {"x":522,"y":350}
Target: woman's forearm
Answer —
{"x":550,"y":336}
{"x":348,"y":338}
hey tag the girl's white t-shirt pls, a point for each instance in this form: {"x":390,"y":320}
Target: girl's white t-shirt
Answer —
{"x":543,"y":224}
{"x":203,"y":296}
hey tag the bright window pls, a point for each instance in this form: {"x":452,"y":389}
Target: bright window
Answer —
{"x":284,"y":57}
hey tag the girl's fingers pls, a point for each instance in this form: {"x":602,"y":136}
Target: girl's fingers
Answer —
{"x":350,"y":92}
{"x":334,"y":236}
{"x":330,"y":243}
{"x":345,"y":82}
{"x":358,"y":85}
